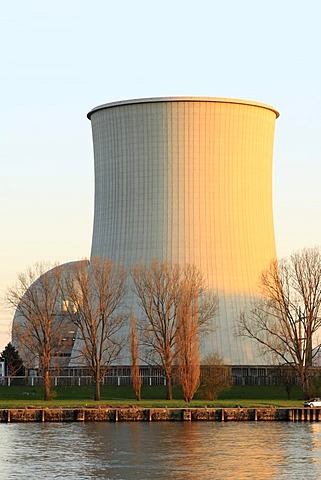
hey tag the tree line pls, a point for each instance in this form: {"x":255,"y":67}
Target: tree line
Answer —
{"x":176,"y":308}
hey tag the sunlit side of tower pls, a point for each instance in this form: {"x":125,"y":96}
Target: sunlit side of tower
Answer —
{"x":189,"y":180}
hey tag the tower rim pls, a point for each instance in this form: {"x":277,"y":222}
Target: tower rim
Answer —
{"x":136,"y":101}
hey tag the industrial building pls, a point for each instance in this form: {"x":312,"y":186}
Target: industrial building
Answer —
{"x":188,"y":180}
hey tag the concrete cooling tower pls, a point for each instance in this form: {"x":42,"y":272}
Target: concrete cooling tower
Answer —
{"x":189,"y":180}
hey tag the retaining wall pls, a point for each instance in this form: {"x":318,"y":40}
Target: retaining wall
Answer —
{"x":104,"y":414}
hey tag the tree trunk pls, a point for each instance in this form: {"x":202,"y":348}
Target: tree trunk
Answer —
{"x":306,"y":389}
{"x":169,"y":389}
{"x":47,"y":384}
{"x":97,"y":384}
{"x":309,"y":347}
{"x":304,"y":379}
{"x":306,"y":383}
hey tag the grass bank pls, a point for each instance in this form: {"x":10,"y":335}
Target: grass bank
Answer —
{"x":152,"y":397}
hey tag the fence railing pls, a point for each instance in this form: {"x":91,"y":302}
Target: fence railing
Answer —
{"x":151,"y":376}
{"x":80,"y":381}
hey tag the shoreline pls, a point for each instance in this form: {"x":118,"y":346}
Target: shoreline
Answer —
{"x":132,"y":414}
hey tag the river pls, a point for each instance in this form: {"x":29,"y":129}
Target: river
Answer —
{"x":164,"y":450}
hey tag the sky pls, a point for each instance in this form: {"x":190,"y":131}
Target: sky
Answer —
{"x":59,"y":59}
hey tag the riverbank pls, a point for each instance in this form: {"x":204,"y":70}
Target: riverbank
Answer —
{"x":101,"y":414}
{"x":19,"y":397}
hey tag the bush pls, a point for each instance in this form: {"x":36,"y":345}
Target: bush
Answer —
{"x":216,"y":377}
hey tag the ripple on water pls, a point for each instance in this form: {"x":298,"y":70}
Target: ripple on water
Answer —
{"x":164,"y":450}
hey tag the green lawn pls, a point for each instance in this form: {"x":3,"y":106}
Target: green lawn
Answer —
{"x":15,"y":397}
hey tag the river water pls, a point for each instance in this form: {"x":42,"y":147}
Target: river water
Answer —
{"x":164,"y":450}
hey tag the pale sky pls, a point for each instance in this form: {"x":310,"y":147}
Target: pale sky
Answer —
{"x":60,"y":58}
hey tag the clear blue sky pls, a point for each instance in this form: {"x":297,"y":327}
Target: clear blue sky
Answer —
{"x":61,"y":58}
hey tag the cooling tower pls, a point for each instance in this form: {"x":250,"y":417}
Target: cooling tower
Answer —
{"x":189,"y":180}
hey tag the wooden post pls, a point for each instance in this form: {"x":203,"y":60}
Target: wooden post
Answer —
{"x":80,"y":415}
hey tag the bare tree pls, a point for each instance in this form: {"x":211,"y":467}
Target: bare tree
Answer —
{"x":37,"y":324}
{"x":159,"y":289}
{"x":134,"y":348}
{"x":286,"y":320}
{"x":94,"y":296}
{"x":187,"y":344}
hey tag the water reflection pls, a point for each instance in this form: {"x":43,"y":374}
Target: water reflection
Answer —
{"x":166,"y":450}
